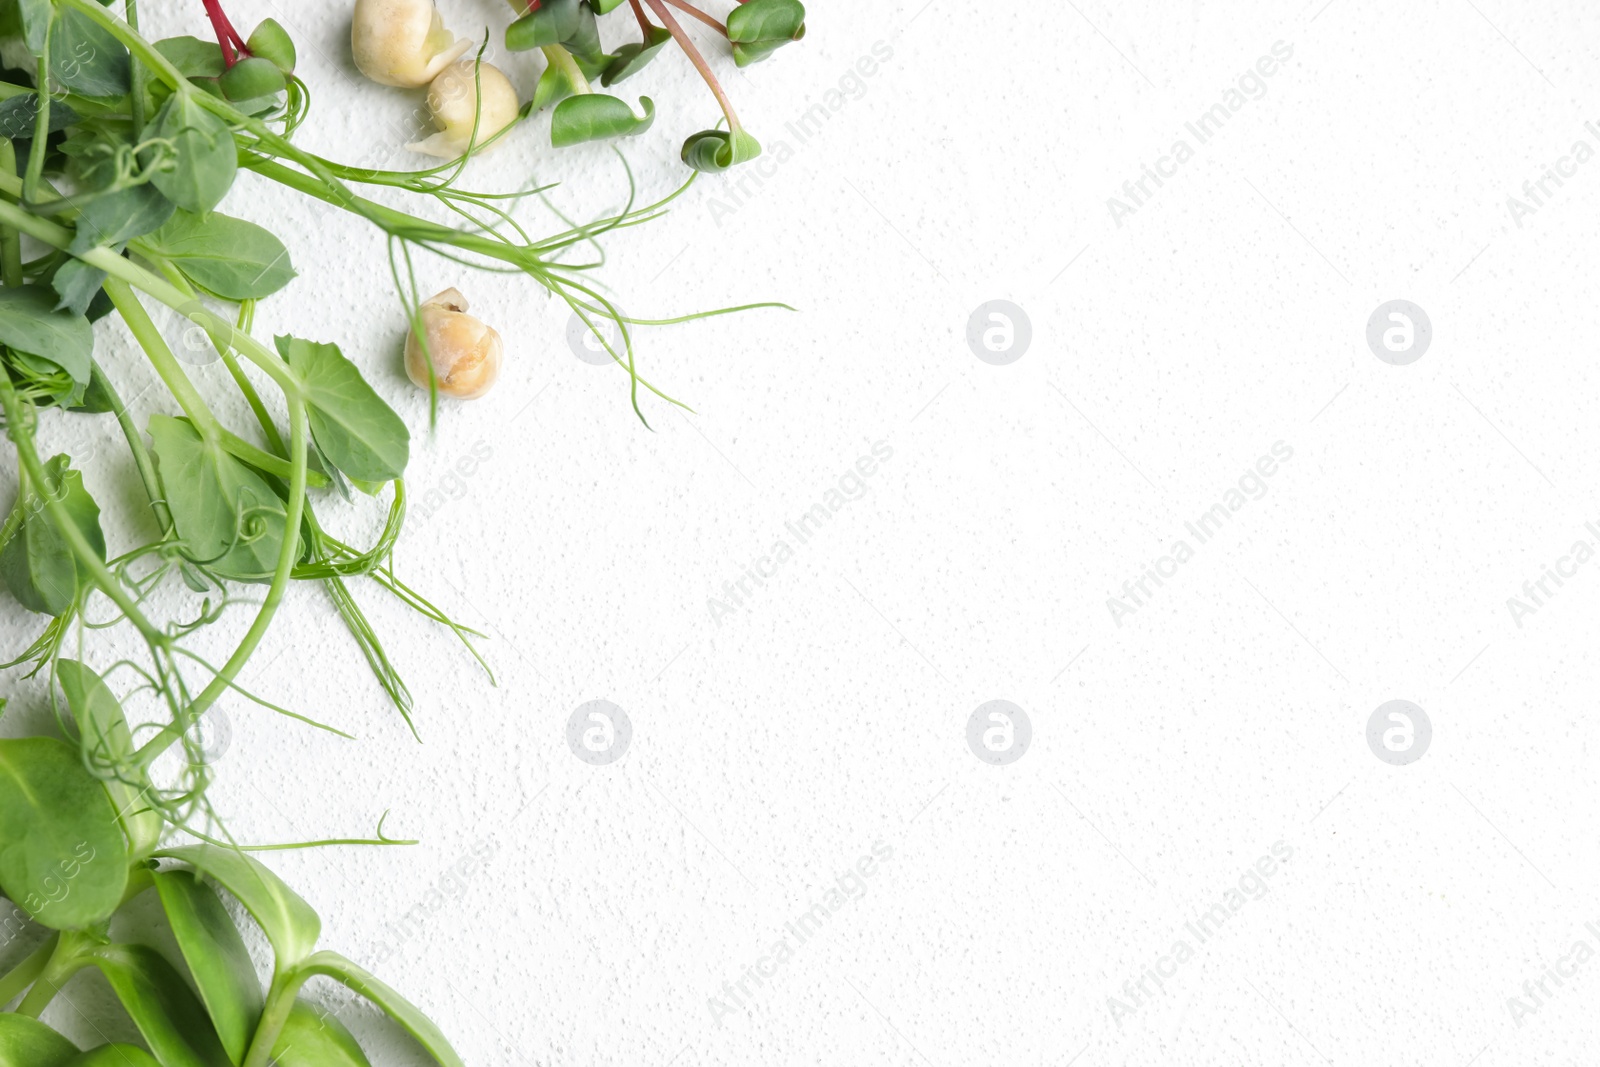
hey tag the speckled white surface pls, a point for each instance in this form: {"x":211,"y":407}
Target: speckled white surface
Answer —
{"x":562,"y":913}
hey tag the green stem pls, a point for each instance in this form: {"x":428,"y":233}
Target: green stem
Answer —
{"x":41,"y":122}
{"x":161,"y":357}
{"x":25,"y":973}
{"x":699,"y":61}
{"x":280,"y":1001}
{"x":65,"y":961}
{"x":136,"y":97}
{"x":562,"y":60}
{"x":141,"y":454}
{"x":10,"y":239}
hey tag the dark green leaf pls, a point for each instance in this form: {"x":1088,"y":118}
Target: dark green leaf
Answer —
{"x":630,"y":59}
{"x":111,"y":218}
{"x":205,"y":158}
{"x":354,"y":429}
{"x":85,"y":57}
{"x":398,"y":1008}
{"x":29,"y":322}
{"x":289,"y":923}
{"x":36,"y":562}
{"x":35,"y":19}
{"x":595,"y":117}
{"x":553,"y":23}
{"x":161,"y":1004}
{"x":271,"y":41}
{"x":62,"y":856}
{"x":229,"y":257}
{"x":215,"y":953}
{"x":227,"y":517}
{"x":26,"y":1042}
{"x":313,"y":1038}
{"x":118,"y":1055}
{"x":19,"y":113}
{"x":715,"y":150}
{"x":193,"y":57}
{"x":105,"y":736}
{"x":97,"y":399}
{"x":77,"y":284}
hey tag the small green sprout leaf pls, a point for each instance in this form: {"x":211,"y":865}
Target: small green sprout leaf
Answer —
{"x":36,"y":562}
{"x":26,"y":1042}
{"x":314,"y":1038}
{"x":30,"y":323}
{"x":227,"y":517}
{"x":225,"y":256}
{"x":760,"y":27}
{"x":353,"y":428}
{"x":35,"y":21}
{"x":272,"y":42}
{"x":62,"y":856}
{"x":291,"y":926}
{"x":630,"y":59}
{"x":77,"y":284}
{"x":553,"y":23}
{"x":251,"y":78}
{"x":596,"y":117}
{"x":217,"y":958}
{"x":717,"y":150}
{"x":205,"y":158}
{"x":170,"y":1019}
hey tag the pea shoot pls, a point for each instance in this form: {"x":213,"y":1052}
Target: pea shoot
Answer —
{"x":117,"y":153}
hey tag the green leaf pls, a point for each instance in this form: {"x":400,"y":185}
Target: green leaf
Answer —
{"x":595,"y":117}
{"x":77,"y":284}
{"x":270,"y":40}
{"x":111,"y":218}
{"x":18,"y":114}
{"x":105,"y":735}
{"x":553,"y":23}
{"x":291,"y":926}
{"x":85,"y":57}
{"x":62,"y":856}
{"x":557,"y":82}
{"x":215,"y":953}
{"x":118,"y":1055}
{"x":716,"y":150}
{"x":604,"y":7}
{"x":313,"y":1039}
{"x":205,"y":157}
{"x":354,"y":429}
{"x":26,"y":1042}
{"x":251,"y":78}
{"x":29,"y":322}
{"x":36,"y":562}
{"x":194,"y":58}
{"x":398,"y":1008}
{"x":227,"y":516}
{"x":225,"y":256}
{"x":161,"y":1004}
{"x":760,"y":27}
{"x":630,"y":59}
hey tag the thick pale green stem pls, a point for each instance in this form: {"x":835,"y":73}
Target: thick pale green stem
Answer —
{"x":65,"y":961}
{"x":27,"y":972}
{"x":166,"y":364}
{"x":280,"y":1001}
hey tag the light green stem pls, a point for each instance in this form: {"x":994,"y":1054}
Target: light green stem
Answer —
{"x":280,"y":1001}
{"x":65,"y":961}
{"x":25,"y":973}
{"x":41,"y":122}
{"x":161,"y":357}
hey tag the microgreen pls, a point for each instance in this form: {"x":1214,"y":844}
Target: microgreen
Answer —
{"x":117,"y":153}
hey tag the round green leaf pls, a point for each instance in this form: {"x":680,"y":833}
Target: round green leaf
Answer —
{"x":63,"y":858}
{"x":205,"y":158}
{"x":225,"y":256}
{"x":36,"y":562}
{"x":596,"y":117}
{"x":29,"y":322}
{"x":252,"y":77}
{"x":553,"y":23}
{"x":271,"y":41}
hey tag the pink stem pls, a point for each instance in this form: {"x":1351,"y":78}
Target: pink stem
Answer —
{"x":698,"y":60}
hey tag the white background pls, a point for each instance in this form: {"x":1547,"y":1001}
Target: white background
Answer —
{"x":774,"y":746}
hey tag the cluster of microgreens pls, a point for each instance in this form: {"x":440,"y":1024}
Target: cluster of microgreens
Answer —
{"x":115,"y":152}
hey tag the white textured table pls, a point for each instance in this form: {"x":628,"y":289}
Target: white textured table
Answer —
{"x":1198,"y":859}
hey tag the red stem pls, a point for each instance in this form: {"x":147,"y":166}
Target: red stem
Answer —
{"x":228,"y":38}
{"x":644,"y":23}
{"x":698,"y":60}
